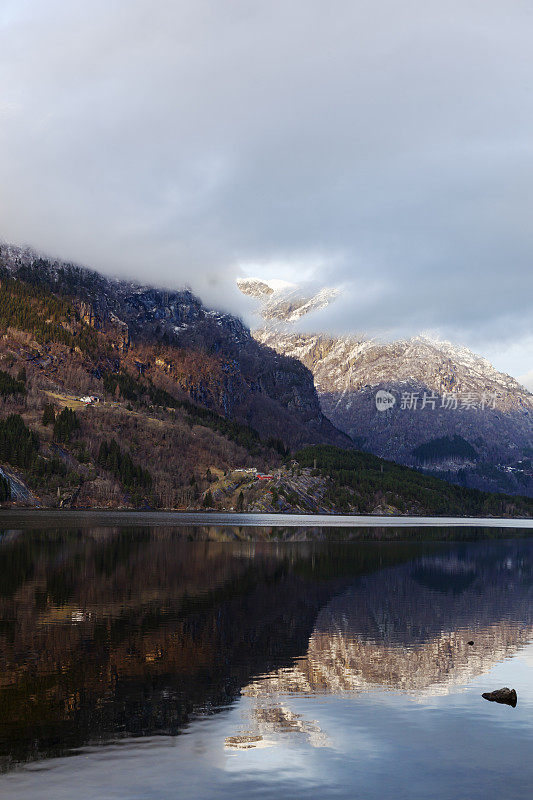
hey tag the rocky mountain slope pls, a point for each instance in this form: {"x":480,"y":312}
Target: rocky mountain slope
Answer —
{"x":420,"y":401}
{"x":119,"y":395}
{"x":436,"y":391}
{"x":206,"y":355}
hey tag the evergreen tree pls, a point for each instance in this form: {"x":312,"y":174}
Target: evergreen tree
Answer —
{"x":65,"y":425}
{"x":18,"y":445}
{"x":10,"y":386}
{"x":132,"y":476}
{"x":49,"y":414}
{"x":5,"y":490}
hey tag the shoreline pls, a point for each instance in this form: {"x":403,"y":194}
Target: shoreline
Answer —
{"x":210,"y":518}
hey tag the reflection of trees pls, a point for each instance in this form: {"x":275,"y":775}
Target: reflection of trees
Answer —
{"x":110,"y":633}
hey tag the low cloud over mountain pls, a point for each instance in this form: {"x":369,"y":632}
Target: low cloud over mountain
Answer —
{"x":382,"y":148}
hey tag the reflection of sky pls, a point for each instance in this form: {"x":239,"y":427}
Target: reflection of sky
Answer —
{"x":380,"y":745}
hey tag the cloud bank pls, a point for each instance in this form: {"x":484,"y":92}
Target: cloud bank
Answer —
{"x":383,"y":148}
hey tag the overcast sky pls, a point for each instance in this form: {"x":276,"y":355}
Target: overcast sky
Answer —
{"x":382,"y":147}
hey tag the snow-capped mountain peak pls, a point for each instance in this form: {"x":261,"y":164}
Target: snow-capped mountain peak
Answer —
{"x":281,"y":301}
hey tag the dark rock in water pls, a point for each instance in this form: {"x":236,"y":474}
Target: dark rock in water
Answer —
{"x":471,"y":642}
{"x":505,"y":695}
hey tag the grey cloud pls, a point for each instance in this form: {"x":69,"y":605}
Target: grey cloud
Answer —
{"x":178,"y":141}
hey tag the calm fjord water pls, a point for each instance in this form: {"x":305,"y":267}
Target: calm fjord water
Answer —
{"x":149,"y":662}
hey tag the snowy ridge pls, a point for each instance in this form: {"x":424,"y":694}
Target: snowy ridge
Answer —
{"x":349,"y":363}
{"x":349,"y":370}
{"x":281,"y":301}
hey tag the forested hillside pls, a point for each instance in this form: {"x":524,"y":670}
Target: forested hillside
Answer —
{"x":169,"y":338}
{"x":360,"y":481}
{"x":115,"y":395}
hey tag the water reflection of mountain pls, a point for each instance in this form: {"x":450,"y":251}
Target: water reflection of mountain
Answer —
{"x":117,"y":633}
{"x":132,"y":632}
{"x":408,"y":627}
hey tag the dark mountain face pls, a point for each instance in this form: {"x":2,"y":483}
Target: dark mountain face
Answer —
{"x":235,"y":375}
